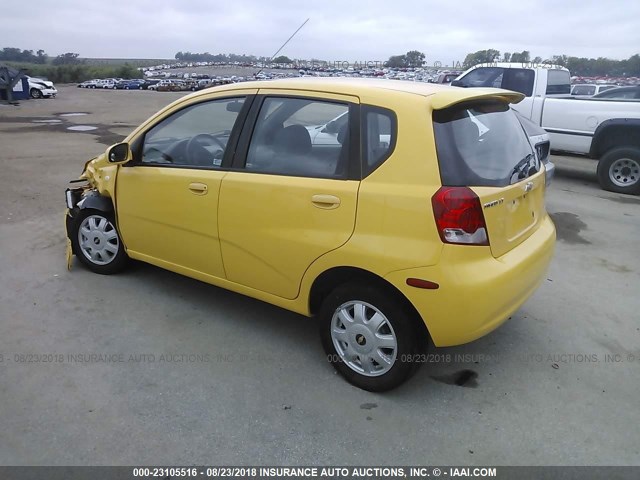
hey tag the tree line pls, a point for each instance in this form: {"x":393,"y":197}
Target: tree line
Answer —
{"x":579,"y":66}
{"x":12,"y":54}
{"x":219,"y":57}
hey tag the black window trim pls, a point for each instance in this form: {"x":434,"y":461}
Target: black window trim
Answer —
{"x":365,"y":109}
{"x":354,"y":171}
{"x":232,"y":144}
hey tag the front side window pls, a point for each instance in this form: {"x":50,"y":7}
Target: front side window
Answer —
{"x":300,"y":137}
{"x":482,"y":144}
{"x":196,"y":136}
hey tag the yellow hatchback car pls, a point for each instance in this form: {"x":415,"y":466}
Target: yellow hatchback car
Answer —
{"x":393,"y":211}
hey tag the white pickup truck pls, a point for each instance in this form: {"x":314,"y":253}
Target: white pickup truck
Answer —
{"x":608,"y":130}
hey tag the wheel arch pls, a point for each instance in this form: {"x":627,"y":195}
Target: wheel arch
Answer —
{"x":615,"y":132}
{"x":93,"y":200}
{"x":331,"y":278}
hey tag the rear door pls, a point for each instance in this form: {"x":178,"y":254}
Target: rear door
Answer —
{"x":290,"y":200}
{"x":482,"y":145}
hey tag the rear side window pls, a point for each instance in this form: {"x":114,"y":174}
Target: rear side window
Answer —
{"x":482,"y":144}
{"x":379,"y":137}
{"x":558,"y":82}
{"x":300,"y":137}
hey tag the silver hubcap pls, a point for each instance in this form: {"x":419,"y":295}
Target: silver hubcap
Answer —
{"x":98,"y":240}
{"x":624,"y":172}
{"x":364,"y":338}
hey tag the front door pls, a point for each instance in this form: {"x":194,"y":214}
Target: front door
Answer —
{"x":167,"y":200}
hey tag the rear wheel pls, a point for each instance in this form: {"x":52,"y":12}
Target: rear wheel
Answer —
{"x":619,"y":170}
{"x":35,"y":93}
{"x":369,"y":336}
{"x":96,"y":242}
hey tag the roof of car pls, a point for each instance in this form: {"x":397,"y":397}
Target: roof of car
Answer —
{"x":441,"y":95}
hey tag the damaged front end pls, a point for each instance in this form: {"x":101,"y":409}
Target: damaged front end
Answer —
{"x":95,"y":190}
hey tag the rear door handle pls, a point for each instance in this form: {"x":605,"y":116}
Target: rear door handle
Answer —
{"x":198,"y":188}
{"x":328,"y":202}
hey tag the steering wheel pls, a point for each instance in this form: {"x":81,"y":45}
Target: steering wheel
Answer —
{"x":197,"y":154}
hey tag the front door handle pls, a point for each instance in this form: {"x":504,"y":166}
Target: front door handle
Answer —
{"x":328,"y":202}
{"x":198,"y":188}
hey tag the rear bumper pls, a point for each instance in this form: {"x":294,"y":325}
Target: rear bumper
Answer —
{"x":477,"y":292}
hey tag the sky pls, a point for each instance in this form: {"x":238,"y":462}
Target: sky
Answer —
{"x":445,"y":31}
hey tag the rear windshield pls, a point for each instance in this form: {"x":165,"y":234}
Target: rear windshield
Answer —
{"x":482,"y":144}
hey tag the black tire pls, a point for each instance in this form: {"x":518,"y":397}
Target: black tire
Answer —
{"x":619,"y":170}
{"x":35,"y":93}
{"x":109,"y":263}
{"x":401,"y":321}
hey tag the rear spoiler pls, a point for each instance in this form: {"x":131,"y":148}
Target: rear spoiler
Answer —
{"x":453,"y":96}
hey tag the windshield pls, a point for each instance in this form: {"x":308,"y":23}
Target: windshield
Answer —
{"x":482,"y":144}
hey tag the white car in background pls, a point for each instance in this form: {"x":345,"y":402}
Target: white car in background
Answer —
{"x":108,"y":83}
{"x":40,"y":88}
{"x":88,"y":84}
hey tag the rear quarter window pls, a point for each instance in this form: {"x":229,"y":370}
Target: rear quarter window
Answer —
{"x":379,"y":139}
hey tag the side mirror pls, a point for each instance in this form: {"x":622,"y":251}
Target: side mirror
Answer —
{"x":118,"y":153}
{"x":457,"y":83}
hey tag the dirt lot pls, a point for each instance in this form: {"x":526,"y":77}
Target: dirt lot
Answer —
{"x":186,"y":373}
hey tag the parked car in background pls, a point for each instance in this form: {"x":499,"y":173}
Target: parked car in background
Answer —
{"x":621,"y":93}
{"x":88,"y":84}
{"x":131,"y":84}
{"x":109,"y":83}
{"x":379,"y":241}
{"x":608,"y":131}
{"x":148,"y":83}
{"x":171,"y":86}
{"x":161,"y":85}
{"x":40,"y":88}
{"x":541,"y":143}
{"x":445,"y":78}
{"x":589,"y":89}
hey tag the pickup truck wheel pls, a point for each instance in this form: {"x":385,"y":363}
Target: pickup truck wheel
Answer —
{"x":368,"y":336}
{"x":96,"y":242}
{"x":619,"y":170}
{"x":35,"y":93}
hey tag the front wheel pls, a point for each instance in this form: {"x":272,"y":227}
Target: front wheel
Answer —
{"x":619,"y":170}
{"x":96,"y":242}
{"x":35,"y":93}
{"x":369,"y":336}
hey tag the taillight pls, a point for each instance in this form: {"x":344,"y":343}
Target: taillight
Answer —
{"x":459,"y":216}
